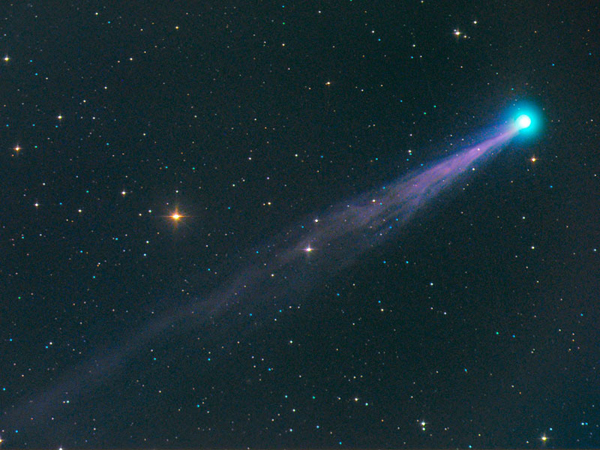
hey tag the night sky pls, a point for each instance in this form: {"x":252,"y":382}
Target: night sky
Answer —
{"x":163,"y":163}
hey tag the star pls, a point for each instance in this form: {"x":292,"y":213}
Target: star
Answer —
{"x":308,"y":249}
{"x":176,"y":216}
{"x":459,"y":33}
{"x":6,"y":58}
{"x":17,"y":148}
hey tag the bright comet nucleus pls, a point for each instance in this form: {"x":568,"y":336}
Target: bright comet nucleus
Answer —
{"x":523,"y":121}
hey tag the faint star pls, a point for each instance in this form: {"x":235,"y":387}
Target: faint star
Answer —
{"x":60,"y":117}
{"x":533,"y":159}
{"x":6,"y":58}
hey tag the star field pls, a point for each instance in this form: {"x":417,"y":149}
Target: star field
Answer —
{"x":151,"y":154}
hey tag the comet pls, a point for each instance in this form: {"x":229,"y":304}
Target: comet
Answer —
{"x":286,"y":269}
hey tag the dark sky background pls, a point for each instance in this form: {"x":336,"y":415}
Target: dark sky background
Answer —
{"x":477,"y":325}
